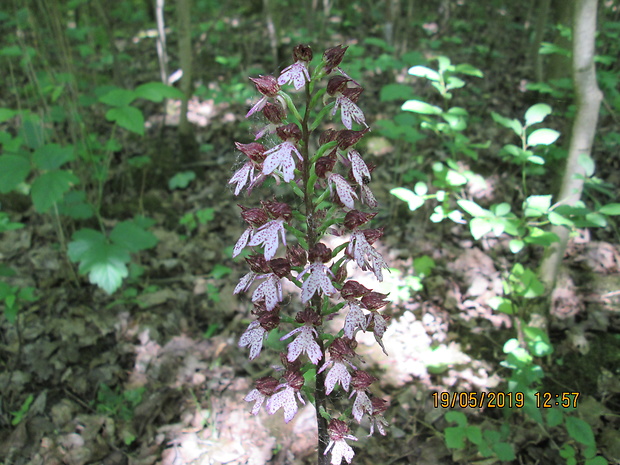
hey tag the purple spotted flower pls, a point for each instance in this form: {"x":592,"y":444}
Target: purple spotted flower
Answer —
{"x":339,"y":431}
{"x":280,"y":158}
{"x":284,"y":398}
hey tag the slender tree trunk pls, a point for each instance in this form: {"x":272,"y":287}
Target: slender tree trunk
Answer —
{"x":161,"y":40}
{"x":588,"y":100}
{"x":185,"y":55}
{"x":535,"y":59}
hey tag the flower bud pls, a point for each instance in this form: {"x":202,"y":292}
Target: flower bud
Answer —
{"x":277,"y":209}
{"x":336,"y":85}
{"x":296,"y":255}
{"x":267,"y":385}
{"x":302,"y":53}
{"x":341,"y":348}
{"x":333,"y":57}
{"x":372,"y":235}
{"x":290,"y":131}
{"x":324,"y":165}
{"x":348,"y":138}
{"x":352,"y":290}
{"x":327,"y":136}
{"x":274,"y":113}
{"x":266,"y":85}
{"x":375,"y":300}
{"x":269,"y":320}
{"x":257,"y":263}
{"x":354,"y":219}
{"x":255,"y":217}
{"x":338,"y":430}
{"x":280,"y":266}
{"x":294,"y":379}
{"x":361,"y":380}
{"x":379,"y":406}
{"x":320,"y":253}
{"x":308,"y":316}
{"x":352,"y":93}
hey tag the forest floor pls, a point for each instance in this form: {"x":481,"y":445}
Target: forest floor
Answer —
{"x":156,"y":377}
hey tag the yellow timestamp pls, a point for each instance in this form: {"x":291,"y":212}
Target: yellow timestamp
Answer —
{"x":446,"y":399}
{"x":563,"y":399}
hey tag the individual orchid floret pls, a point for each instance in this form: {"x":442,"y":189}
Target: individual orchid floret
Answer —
{"x":361,"y":173}
{"x":255,"y":217}
{"x":367,"y":196}
{"x":296,"y":255}
{"x":339,"y":431}
{"x":268,"y":236}
{"x":345,"y":192}
{"x":254,"y":334}
{"x":333,"y":57}
{"x":340,"y":350}
{"x":377,"y":323}
{"x":306,"y":339}
{"x":285,"y":398}
{"x":345,"y":100}
{"x":280,"y":157}
{"x":269,"y":87}
{"x":354,"y":219}
{"x":366,"y":257}
{"x":348,"y":138}
{"x":270,"y":290}
{"x":374,"y":300}
{"x":297,"y":73}
{"x":265,"y":388}
{"x":319,"y":274}
{"x":275,"y":114}
{"x":360,"y":383}
{"x":379,"y":406}
{"x":258,"y":265}
{"x":355,"y":319}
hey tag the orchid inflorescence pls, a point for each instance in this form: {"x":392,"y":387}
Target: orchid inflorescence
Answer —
{"x":329,"y":183}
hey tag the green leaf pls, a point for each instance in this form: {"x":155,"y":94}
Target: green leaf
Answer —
{"x":129,"y":118}
{"x":610,"y":209}
{"x":14,"y":169}
{"x":406,"y":195}
{"x":555,"y":417}
{"x":423,"y":265}
{"x":580,"y":431}
{"x":52,"y":156}
{"x":559,"y":220}
{"x":457,"y":417}
{"x":74,"y":205}
{"x":104,"y":262}
{"x":587,"y":163}
{"x":537,"y":113}
{"x":157,"y":91}
{"x":474,"y":434}
{"x":132,"y":237}
{"x":473,"y":208}
{"x":50,"y":188}
{"x":598,"y":460}
{"x":220,"y":271}
{"x":455,"y":437}
{"x":537,"y":341}
{"x":181,"y":180}
{"x":536,"y":205}
{"x":504,"y":451}
{"x":423,"y":71}
{"x":543,"y":136}
{"x":540,"y":237}
{"x":516,"y":245}
{"x":417,"y":106}
{"x":513,"y":124}
{"x":391,"y":92}
{"x":480,"y":227}
{"x":6,"y":114}
{"x":118,"y":97}
{"x":470,"y":70}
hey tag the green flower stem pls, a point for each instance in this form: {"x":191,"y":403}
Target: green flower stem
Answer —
{"x":322,"y":149}
{"x":291,"y":105}
{"x":316,"y":97}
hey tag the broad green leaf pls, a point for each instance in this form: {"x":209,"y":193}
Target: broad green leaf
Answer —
{"x":421,"y":188}
{"x":74,"y":205}
{"x":132,"y":237}
{"x":417,"y":106}
{"x":543,"y":136}
{"x":540,"y":237}
{"x":598,"y":460}
{"x":537,"y":113}
{"x":456,"y":122}
{"x":118,"y":97}
{"x":50,"y":188}
{"x":504,"y":451}
{"x":473,"y":208}
{"x":454,"y":83}
{"x":474,"y":434}
{"x":52,"y":156}
{"x":454,"y":178}
{"x":157,"y":91}
{"x":129,"y":118}
{"x":181,"y":180}
{"x":610,"y":209}
{"x":6,"y":114}
{"x":220,"y":271}
{"x":444,"y":63}
{"x":14,"y":169}
{"x":516,"y":245}
{"x":470,"y":70}
{"x":559,"y":220}
{"x":579,"y":430}
{"x":536,"y":205}
{"x":454,"y":416}
{"x":587,"y":163}
{"x":391,"y":92}
{"x":479,"y":227}
{"x":597,"y":219}
{"x":513,"y":124}
{"x":423,"y":71}
{"x":501,"y":209}
{"x":555,"y":417}
{"x":423,"y":265}
{"x":406,"y":195}
{"x":455,"y":437}
{"x":104,"y":262}
{"x":538,"y":341}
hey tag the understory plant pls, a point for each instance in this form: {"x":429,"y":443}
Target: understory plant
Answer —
{"x":327,"y":193}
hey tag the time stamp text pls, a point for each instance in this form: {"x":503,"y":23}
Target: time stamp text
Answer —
{"x":501,"y":399}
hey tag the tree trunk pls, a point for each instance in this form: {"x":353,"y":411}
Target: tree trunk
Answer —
{"x":184,"y":27}
{"x":161,"y":41}
{"x":588,"y":100}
